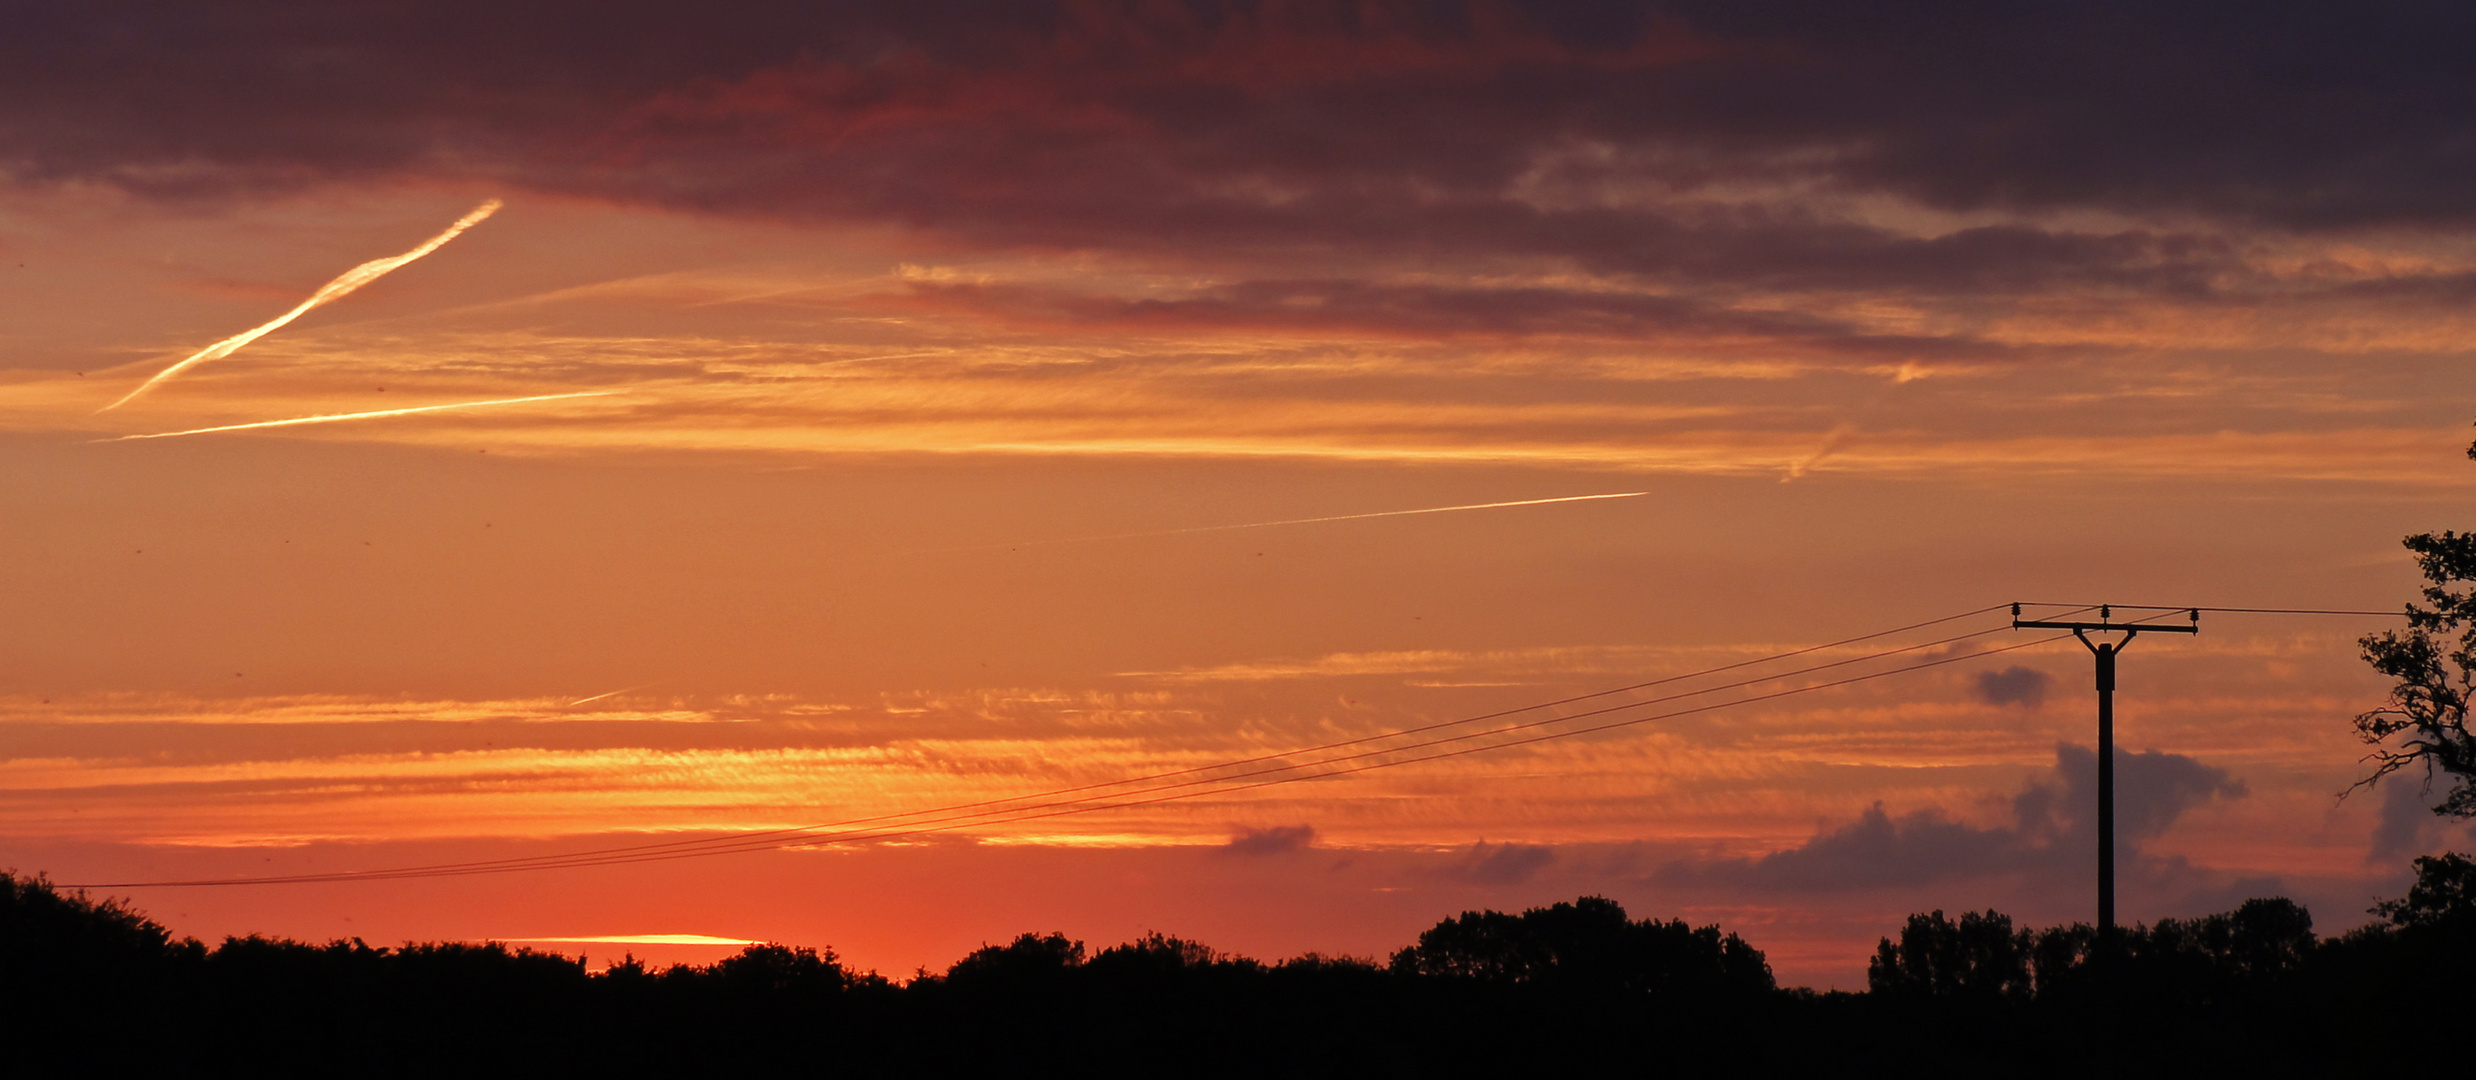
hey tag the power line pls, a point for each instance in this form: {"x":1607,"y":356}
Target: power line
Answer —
{"x":1070,"y":807}
{"x":2232,"y":610}
{"x":745,"y":842}
{"x":746,"y":837}
{"x":742,"y":838}
{"x":947,"y":818}
{"x":953,"y":817}
{"x":1085,"y":809}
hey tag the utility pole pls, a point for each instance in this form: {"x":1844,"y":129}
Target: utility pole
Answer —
{"x":2106,"y":653}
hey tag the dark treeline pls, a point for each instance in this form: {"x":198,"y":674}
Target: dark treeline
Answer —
{"x":96,"y":987}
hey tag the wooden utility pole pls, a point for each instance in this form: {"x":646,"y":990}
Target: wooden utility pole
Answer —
{"x":2106,"y":653}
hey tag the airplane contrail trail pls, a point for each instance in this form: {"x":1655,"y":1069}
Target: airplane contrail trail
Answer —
{"x":334,"y":290}
{"x":598,"y":697}
{"x":1316,"y":520}
{"x":333,"y":417}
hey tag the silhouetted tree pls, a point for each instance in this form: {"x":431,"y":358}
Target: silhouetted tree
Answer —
{"x":2263,"y":939}
{"x":1486,"y":945}
{"x":1588,"y":944}
{"x":82,"y":981}
{"x":2236,"y":956}
{"x":2441,"y":906}
{"x":1980,"y":957}
{"x":1157,"y":956}
{"x":49,"y":935}
{"x":781,"y":970}
{"x":1028,"y":963}
{"x":2433,"y":663}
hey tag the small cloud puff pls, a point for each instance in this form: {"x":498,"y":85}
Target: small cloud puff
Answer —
{"x":1278,"y":840}
{"x":1500,"y":864}
{"x":2025,"y":687}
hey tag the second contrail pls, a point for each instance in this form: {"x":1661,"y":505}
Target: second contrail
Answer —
{"x":598,"y":697}
{"x":334,"y":290}
{"x":1319,"y":520}
{"x":334,"y":417}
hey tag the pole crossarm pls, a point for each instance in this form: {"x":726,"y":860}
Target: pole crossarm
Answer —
{"x":2104,"y":627}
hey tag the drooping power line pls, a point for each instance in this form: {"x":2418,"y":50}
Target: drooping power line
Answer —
{"x":1281,"y":768}
{"x":1001,"y":811}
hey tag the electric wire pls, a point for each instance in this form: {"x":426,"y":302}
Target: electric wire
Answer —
{"x":948,"y":818}
{"x":1089,"y":806}
{"x":745,"y":842}
{"x":747,"y":837}
{"x":2234,"y":610}
{"x":955,"y":817}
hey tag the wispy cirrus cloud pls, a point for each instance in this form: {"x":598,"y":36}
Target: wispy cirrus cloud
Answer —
{"x":342,"y":286}
{"x":1737,"y":782}
{"x":376,"y":414}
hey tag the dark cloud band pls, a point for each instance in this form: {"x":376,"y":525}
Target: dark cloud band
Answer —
{"x":2302,"y":115}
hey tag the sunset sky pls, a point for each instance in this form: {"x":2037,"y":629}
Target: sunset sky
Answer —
{"x":795,"y":414}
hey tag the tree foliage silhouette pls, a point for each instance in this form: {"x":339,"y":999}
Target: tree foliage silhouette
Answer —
{"x":2433,"y":665}
{"x":1587,"y":945}
{"x":2443,"y":898}
{"x":47,"y":934}
{"x":1980,"y":957}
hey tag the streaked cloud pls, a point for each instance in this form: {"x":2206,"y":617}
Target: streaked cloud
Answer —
{"x":328,"y":293}
{"x":379,"y":414}
{"x":1739,"y":782}
{"x":1344,"y":517}
{"x":953,"y":380}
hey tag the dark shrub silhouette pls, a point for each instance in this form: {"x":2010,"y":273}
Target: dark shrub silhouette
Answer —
{"x":50,"y":941}
{"x":1029,"y":962}
{"x":2421,"y":958}
{"x":1156,"y":954}
{"x":1587,"y":945}
{"x":2443,"y":900}
{"x":780,"y":970}
{"x":2263,"y":940}
{"x":1983,"y":958}
{"x":1978,"y":958}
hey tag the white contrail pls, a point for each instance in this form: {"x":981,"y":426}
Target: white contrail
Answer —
{"x":333,"y":417}
{"x":1316,"y":520}
{"x":598,"y":697}
{"x":352,"y":279}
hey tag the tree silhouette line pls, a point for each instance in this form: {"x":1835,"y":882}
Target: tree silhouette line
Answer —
{"x":94,"y":986}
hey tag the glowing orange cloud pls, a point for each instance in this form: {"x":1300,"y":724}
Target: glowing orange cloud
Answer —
{"x":334,"y":417}
{"x":334,"y":290}
{"x":640,"y":939}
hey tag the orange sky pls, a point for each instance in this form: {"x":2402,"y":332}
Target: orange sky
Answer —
{"x":882,"y":474}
